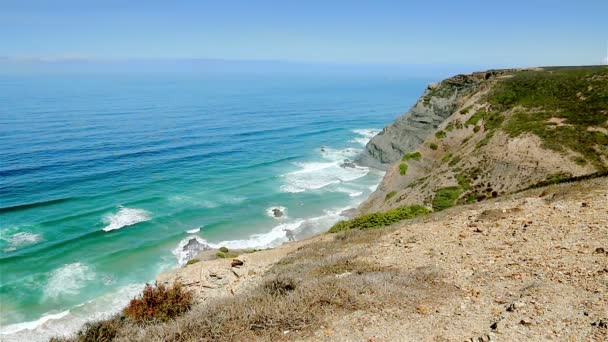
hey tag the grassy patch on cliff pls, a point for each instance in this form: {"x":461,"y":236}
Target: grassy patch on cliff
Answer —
{"x":380,"y":219}
{"x":415,"y":156}
{"x":403,"y":169}
{"x":446,"y":197}
{"x":566,"y":107}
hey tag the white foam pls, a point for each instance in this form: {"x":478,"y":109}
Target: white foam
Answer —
{"x":339,"y":155}
{"x":193,"y":231}
{"x":68,"y":280}
{"x":350,"y":192}
{"x":21,"y":239}
{"x":183,"y":253}
{"x":270,"y":212}
{"x":196,"y":202}
{"x":319,"y":175}
{"x":69,"y":321}
{"x":366,"y":135}
{"x":232,"y":199}
{"x":125,"y":217}
{"x":41,"y":322}
{"x":301,"y":228}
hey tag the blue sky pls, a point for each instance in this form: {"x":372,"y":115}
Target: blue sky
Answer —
{"x":488,"y":33}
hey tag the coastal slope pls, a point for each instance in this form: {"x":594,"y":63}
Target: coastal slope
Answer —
{"x":504,"y":132}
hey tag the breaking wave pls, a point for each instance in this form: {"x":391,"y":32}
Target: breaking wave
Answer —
{"x":125,"y":217}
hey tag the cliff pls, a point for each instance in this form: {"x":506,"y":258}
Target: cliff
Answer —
{"x":473,"y":137}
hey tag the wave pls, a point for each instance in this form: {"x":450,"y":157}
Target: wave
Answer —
{"x":339,"y":155}
{"x":271,"y":212}
{"x":301,"y":228}
{"x":194,"y":230}
{"x":366,"y":134}
{"x":189,"y":247}
{"x":349,"y":192}
{"x":68,"y":280}
{"x":20,"y":239}
{"x":125,"y":217}
{"x":191,"y":201}
{"x":69,"y":321}
{"x":34,"y":205}
{"x":319,"y":175}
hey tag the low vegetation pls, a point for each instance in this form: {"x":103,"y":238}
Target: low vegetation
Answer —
{"x":380,"y":219}
{"x":440,"y":134}
{"x":566,"y":107}
{"x":414,"y":156}
{"x":433,"y":146}
{"x":159,"y":303}
{"x":446,"y":197}
{"x":390,"y":195}
{"x":403,"y":169}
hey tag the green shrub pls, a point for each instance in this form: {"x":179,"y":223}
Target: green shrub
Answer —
{"x":580,"y":161}
{"x":450,"y":127}
{"x":415,"y":156}
{"x":159,"y":303}
{"x":223,"y":249}
{"x":466,"y":110}
{"x":440,"y":134}
{"x":226,"y":255}
{"x":476,"y":129}
{"x":473,"y":120}
{"x":433,"y":146}
{"x":380,"y":219}
{"x":446,"y":197}
{"x":454,"y":161}
{"x":446,"y":158}
{"x":463,"y":181}
{"x":390,"y":195}
{"x":192,"y":262}
{"x":402,"y":169}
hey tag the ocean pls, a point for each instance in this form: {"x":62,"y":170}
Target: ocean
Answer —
{"x":104,"y":178}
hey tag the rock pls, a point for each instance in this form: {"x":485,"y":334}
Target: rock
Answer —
{"x":599,"y":250}
{"x":236,"y":262}
{"x":494,"y":326}
{"x":348,"y":165}
{"x":276,"y":212}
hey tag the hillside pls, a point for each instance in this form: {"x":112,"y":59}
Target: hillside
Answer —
{"x":491,"y":223}
{"x":489,"y":134}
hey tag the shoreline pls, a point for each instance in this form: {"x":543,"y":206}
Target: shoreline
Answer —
{"x":69,"y":320}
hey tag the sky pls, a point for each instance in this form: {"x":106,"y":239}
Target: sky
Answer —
{"x":510,"y":33}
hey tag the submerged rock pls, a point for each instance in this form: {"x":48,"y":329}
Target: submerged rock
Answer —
{"x":348,"y":165}
{"x":276,"y":212}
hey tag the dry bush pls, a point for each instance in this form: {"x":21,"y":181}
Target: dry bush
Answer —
{"x":99,"y":331}
{"x":159,"y":303}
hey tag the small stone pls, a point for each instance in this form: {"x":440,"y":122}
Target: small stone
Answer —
{"x":494,"y":326}
{"x":422,"y":309}
{"x":236,"y":262}
{"x":526,"y":322}
{"x":600,"y":250}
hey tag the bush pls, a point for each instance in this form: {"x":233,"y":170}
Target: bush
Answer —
{"x":402,"y":169}
{"x":440,"y":134}
{"x":226,"y":255}
{"x":473,"y":120}
{"x":446,"y":158}
{"x":380,"y":219}
{"x":159,"y":303}
{"x":446,"y":197}
{"x":192,"y":262}
{"x":415,"y":156}
{"x":390,"y":195}
{"x":476,"y":129}
{"x":223,"y":249}
{"x":104,"y":330}
{"x":433,"y":146}
{"x":450,"y":127}
{"x":454,"y":161}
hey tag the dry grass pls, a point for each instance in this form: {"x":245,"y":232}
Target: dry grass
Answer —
{"x":318,"y":281}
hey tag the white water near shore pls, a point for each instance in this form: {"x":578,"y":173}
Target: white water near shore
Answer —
{"x":327,"y":175}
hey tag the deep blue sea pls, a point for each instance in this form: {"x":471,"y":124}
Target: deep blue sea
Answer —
{"x":104,"y":178}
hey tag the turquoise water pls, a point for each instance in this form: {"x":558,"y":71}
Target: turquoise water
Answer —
{"x":102,"y":177}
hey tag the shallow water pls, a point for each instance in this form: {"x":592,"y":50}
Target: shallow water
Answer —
{"x":103,"y":178}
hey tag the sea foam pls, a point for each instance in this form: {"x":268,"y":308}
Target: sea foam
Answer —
{"x":318,"y":175}
{"x":68,"y":280}
{"x":125,"y":217}
{"x":20,"y":239}
{"x":365,"y":135}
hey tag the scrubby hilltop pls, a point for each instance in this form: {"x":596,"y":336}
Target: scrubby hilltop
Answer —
{"x":483,"y":135}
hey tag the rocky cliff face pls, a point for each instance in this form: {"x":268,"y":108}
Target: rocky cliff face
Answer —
{"x":478,"y":136}
{"x":437,"y":103}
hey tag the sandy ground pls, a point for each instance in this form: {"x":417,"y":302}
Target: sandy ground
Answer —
{"x":528,"y":267}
